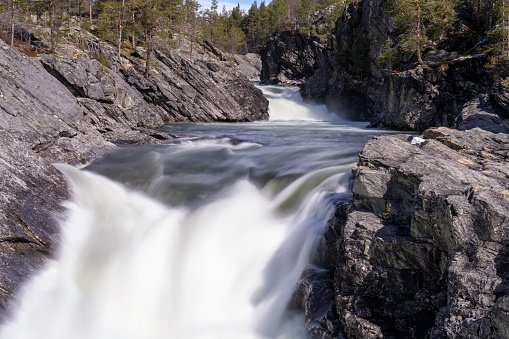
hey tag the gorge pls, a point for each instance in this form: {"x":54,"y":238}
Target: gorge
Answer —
{"x":287,"y":228}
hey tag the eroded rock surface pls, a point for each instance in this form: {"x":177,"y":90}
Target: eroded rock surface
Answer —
{"x":288,"y":57}
{"x":422,"y":248}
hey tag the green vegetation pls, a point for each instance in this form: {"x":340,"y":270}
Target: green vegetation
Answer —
{"x":130,"y":23}
{"x":420,"y":26}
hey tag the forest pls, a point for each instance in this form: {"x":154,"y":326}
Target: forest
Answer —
{"x":419,"y":25}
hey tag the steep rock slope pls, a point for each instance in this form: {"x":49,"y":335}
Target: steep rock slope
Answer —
{"x":206,"y":87}
{"x":288,"y":57}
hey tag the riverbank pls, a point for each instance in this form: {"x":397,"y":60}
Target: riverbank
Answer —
{"x":73,"y":110}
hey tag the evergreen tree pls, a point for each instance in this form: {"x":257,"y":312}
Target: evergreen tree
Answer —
{"x":153,"y":19}
{"x":419,"y":20}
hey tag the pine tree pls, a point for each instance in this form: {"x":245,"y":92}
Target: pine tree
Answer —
{"x":419,"y":20}
{"x":153,"y":19}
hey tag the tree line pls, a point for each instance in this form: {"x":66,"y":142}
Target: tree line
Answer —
{"x":418,"y":24}
{"x":137,"y":22}
{"x":423,"y":25}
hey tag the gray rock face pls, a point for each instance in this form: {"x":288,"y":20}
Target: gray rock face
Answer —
{"x":40,"y":122}
{"x":103,"y":92}
{"x":207,"y":88}
{"x":202,"y":90}
{"x":424,"y":97}
{"x":421,"y":250}
{"x":250,"y":64}
{"x":288,"y":57}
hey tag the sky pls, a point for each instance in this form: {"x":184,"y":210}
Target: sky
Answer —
{"x":244,"y":4}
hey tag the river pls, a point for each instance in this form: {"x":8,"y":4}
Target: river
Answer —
{"x":204,"y":236}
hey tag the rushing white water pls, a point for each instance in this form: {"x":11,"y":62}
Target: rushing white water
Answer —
{"x":208,"y":242}
{"x":286,"y":103}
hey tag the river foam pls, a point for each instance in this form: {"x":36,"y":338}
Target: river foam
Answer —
{"x":130,"y":267}
{"x":205,"y":236}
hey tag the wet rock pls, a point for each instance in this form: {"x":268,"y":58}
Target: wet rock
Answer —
{"x":315,"y":297}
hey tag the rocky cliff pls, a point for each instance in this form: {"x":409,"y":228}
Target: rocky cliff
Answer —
{"x":71,"y":108}
{"x":347,"y":76}
{"x":289,"y":57}
{"x":422,"y":248}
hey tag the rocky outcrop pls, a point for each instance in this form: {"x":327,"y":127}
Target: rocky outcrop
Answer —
{"x":350,"y":80}
{"x":41,"y":122}
{"x":250,"y":64}
{"x":422,"y":248}
{"x":424,"y":97}
{"x":288,"y":57}
{"x":72,"y":110}
{"x":206,"y":88}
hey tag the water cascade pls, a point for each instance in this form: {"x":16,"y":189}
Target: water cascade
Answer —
{"x":203,"y":237}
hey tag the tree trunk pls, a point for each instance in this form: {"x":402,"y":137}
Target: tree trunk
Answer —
{"x":149,"y":50}
{"x":79,"y":11}
{"x":69,"y":14}
{"x":12,"y":23}
{"x":419,"y":56}
{"x":90,"y":11}
{"x":52,"y":25}
{"x":121,"y":18}
{"x":134,"y":42}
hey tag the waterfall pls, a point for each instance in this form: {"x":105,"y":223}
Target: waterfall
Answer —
{"x":286,"y":103}
{"x":130,"y":267}
{"x":205,"y":236}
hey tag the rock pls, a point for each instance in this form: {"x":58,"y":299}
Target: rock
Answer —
{"x":200,"y":90}
{"x":479,"y":113}
{"x":110,"y":96}
{"x":315,"y":297}
{"x":206,"y":88}
{"x":41,"y":122}
{"x":421,"y":250}
{"x":250,"y":64}
{"x":350,"y":78}
{"x":290,"y":56}
{"x":424,"y":97}
{"x":500,"y":96}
